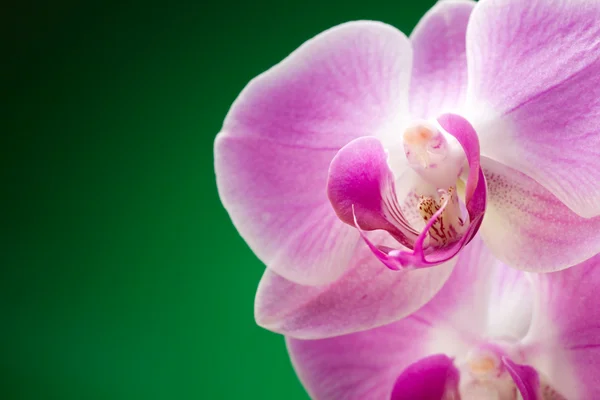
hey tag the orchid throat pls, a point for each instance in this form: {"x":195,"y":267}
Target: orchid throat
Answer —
{"x":422,"y":209}
{"x":438,"y":158}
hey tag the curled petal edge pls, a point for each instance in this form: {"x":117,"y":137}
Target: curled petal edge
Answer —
{"x":525,"y":377}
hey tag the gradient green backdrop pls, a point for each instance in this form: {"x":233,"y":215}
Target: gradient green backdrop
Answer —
{"x":122,"y":275}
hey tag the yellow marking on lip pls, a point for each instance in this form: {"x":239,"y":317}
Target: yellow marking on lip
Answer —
{"x":418,"y":136}
{"x":482,"y":365}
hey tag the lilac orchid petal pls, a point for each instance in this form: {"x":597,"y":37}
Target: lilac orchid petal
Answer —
{"x":366,"y":364}
{"x":529,"y":228}
{"x":280,"y":135}
{"x":509,"y":296}
{"x":431,"y":378}
{"x":367,"y":296}
{"x":439,"y":77}
{"x":482,"y":297}
{"x":526,"y":378}
{"x":363,"y":365}
{"x":564,"y":339}
{"x":272,"y":194}
{"x":534,"y":93}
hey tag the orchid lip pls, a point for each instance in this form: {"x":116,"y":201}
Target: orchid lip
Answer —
{"x":431,"y":230}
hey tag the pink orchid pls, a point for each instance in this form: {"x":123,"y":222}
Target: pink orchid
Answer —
{"x":365,"y":147}
{"x":492,"y":332}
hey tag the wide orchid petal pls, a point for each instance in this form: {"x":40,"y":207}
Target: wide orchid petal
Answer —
{"x":564,"y":339}
{"x":482,"y":298}
{"x":534,"y":92}
{"x":273,"y":153}
{"x":439,"y":77}
{"x":363,"y":365}
{"x":431,"y":378}
{"x":529,"y":228}
{"x":368,"y":364}
{"x":367,"y":296}
{"x":509,"y":297}
{"x":526,"y":378}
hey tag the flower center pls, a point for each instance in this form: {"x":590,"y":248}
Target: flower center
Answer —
{"x":449,"y":225}
{"x":439,"y":159}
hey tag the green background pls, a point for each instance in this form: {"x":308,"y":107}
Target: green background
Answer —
{"x":122,"y":275}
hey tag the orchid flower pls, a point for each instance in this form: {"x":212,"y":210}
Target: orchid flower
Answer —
{"x":492,"y":332}
{"x":365,"y":148}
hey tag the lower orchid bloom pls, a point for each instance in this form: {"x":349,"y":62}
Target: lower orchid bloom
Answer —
{"x":491,"y":333}
{"x":365,"y":147}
